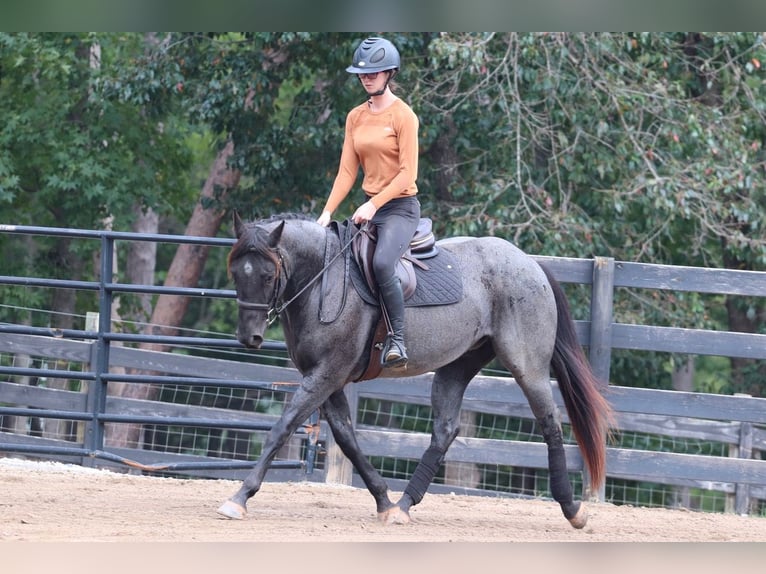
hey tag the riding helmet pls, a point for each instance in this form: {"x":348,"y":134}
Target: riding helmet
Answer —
{"x":374,"y":55}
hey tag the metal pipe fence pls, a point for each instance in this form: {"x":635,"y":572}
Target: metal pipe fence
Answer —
{"x":99,"y":374}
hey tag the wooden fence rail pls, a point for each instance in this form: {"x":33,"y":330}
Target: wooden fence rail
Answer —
{"x":734,"y":420}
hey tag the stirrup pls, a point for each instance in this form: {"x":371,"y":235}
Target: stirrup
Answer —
{"x":395,"y":355}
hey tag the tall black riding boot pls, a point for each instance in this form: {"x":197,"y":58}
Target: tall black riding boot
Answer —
{"x":393,"y":299}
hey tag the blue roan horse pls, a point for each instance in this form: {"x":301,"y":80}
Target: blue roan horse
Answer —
{"x":511,"y":309}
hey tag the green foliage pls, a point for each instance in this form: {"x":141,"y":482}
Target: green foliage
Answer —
{"x":76,"y":153}
{"x":75,"y":150}
{"x":640,"y":146}
{"x":607,"y":143}
{"x":644,"y":147}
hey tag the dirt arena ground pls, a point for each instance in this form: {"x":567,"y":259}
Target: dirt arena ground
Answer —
{"x":53,"y":502}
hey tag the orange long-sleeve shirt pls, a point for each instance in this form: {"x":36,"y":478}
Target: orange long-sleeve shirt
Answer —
{"x":385,"y":144}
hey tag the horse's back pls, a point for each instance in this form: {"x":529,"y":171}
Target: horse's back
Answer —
{"x":496,"y":257}
{"x":501,"y":278}
{"x":495,"y":271}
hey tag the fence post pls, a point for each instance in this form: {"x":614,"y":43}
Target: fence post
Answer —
{"x":339,"y":469}
{"x":744,"y":450}
{"x":602,"y":296}
{"x":465,"y":474}
{"x":96,"y":401}
{"x":600,"y":342}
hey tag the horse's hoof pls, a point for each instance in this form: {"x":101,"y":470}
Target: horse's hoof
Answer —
{"x":580,"y":519}
{"x":232,"y":510}
{"x":394,"y":515}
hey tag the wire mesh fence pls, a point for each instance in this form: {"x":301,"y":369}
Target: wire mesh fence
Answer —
{"x":375,"y":413}
{"x":533,"y":482}
{"x":237,"y":444}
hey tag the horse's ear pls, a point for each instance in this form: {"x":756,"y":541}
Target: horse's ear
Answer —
{"x":239,"y":227}
{"x":276,"y":235}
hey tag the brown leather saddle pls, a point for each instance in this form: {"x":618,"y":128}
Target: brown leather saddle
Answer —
{"x":422,"y":246}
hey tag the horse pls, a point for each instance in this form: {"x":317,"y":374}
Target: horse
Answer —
{"x":511,"y":308}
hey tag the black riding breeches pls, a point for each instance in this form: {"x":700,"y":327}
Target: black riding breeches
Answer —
{"x":396,"y":223}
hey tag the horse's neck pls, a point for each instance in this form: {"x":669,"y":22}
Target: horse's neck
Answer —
{"x":304,"y":250}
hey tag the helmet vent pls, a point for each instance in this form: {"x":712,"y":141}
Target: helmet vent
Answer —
{"x":378,"y":56}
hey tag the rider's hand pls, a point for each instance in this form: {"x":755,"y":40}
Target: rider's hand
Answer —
{"x":364,"y":212}
{"x":324,"y":219}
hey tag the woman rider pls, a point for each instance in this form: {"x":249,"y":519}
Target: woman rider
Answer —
{"x":381,"y":136}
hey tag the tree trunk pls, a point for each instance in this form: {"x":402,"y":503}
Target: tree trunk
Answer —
{"x":19,"y":424}
{"x":683,"y":376}
{"x":185,"y":270}
{"x":465,"y":474}
{"x":63,"y":305}
{"x":141,"y":262}
{"x":187,"y":265}
{"x":747,"y":375}
{"x":443,"y":155}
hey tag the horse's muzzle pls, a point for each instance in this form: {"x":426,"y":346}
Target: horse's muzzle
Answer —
{"x":252,"y":341}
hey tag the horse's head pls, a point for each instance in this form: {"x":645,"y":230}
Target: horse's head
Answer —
{"x":256,"y":267}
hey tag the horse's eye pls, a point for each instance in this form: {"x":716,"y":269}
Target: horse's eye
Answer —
{"x":267,"y":278}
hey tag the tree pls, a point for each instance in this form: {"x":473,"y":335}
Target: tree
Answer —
{"x":645,"y":147}
{"x":73,"y":157}
{"x":608,"y":144}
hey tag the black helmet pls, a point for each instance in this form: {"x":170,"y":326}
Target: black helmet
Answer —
{"x":374,"y":55}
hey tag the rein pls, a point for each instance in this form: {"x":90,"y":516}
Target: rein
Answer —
{"x":273,"y":308}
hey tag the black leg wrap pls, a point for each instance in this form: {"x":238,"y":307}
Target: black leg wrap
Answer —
{"x":424,"y":474}
{"x":561,"y":488}
{"x":560,"y":485}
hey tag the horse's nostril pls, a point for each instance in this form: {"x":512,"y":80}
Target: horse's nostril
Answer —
{"x":251,"y":341}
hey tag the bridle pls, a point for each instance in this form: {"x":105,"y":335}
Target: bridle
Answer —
{"x":274,"y":308}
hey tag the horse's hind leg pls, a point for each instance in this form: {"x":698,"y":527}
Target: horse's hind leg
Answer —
{"x":447,"y":391}
{"x":540,"y":397}
{"x":338,"y":415}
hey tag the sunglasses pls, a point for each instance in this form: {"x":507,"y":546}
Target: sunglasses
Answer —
{"x":370,"y":76}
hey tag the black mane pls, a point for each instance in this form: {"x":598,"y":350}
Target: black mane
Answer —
{"x":254,"y":238}
{"x":284,"y":216}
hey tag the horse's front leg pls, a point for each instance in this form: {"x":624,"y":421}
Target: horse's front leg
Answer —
{"x":303,"y":403}
{"x":338,"y":415}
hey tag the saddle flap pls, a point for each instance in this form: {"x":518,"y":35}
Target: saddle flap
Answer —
{"x":363,"y":249}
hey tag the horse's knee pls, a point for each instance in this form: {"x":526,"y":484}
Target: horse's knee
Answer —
{"x":444,"y":434}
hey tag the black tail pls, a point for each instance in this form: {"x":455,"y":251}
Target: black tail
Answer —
{"x":589,"y":412}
